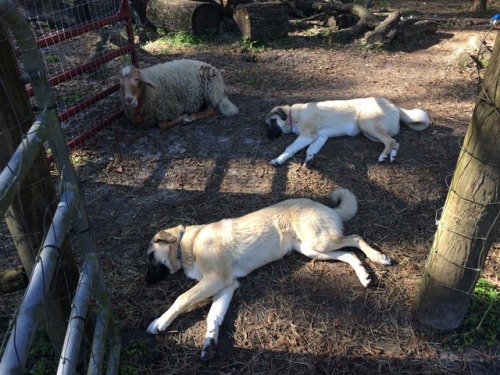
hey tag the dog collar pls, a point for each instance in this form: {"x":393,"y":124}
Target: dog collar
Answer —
{"x":179,"y":251}
{"x":290,"y":121}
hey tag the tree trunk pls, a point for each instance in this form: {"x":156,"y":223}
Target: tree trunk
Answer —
{"x":196,"y":17}
{"x":470,"y":218}
{"x":30,"y":213}
{"x":267,"y":20}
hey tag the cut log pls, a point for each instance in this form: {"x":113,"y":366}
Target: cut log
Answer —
{"x":263,"y":20}
{"x":197,"y":17}
{"x":412,"y":27}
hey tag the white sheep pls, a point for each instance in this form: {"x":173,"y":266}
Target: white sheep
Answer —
{"x":173,"y":92}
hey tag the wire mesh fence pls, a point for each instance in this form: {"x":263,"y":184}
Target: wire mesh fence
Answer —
{"x":81,"y":43}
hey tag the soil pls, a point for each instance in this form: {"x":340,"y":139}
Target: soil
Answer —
{"x":294,"y":316}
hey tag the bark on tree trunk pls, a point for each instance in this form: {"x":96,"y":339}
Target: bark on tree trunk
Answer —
{"x":29,"y":215}
{"x":267,"y":20}
{"x":470,"y":218}
{"x":196,"y":17}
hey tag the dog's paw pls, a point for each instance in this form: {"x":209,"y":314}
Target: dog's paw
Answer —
{"x":186,"y":119}
{"x":382,"y":158}
{"x":209,"y":349}
{"x":156,"y":327}
{"x":276,"y":162}
{"x":366,"y":280}
{"x":394,"y":152}
{"x":385,"y":260}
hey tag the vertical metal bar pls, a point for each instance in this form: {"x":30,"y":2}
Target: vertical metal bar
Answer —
{"x":125,"y":9}
{"x":20,"y":164}
{"x":16,"y":352}
{"x":71,"y":349}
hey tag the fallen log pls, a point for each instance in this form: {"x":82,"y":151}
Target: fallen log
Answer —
{"x":263,"y":20}
{"x":385,"y":30}
{"x":411,"y":27}
{"x":197,"y":17}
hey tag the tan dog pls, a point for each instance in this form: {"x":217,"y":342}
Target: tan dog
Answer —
{"x":217,"y":254}
{"x":377,"y":118}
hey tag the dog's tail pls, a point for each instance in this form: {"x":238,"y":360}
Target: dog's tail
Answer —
{"x":345,"y":202}
{"x":415,"y":119}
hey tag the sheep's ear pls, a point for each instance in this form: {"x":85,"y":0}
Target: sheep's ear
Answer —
{"x":145,"y":80}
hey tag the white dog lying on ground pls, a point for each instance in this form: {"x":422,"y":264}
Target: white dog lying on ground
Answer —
{"x":217,"y":254}
{"x":377,"y":118}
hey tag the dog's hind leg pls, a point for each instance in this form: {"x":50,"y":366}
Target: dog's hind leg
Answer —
{"x":206,"y":288}
{"x":343,"y":256}
{"x":215,"y":318}
{"x":391,"y":147}
{"x":301,"y":142}
{"x":356,"y":241}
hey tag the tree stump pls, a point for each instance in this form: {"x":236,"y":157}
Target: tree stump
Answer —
{"x":196,"y":17}
{"x":263,"y":20}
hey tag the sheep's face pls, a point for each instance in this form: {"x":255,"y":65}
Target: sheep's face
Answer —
{"x":132,"y":85}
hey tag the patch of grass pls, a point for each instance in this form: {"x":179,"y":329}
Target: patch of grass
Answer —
{"x":184,"y":38}
{"x":52,"y":58}
{"x":42,"y":359}
{"x":75,"y":97}
{"x":482,"y":320}
{"x":131,"y":356}
{"x":377,"y":47}
{"x":252,"y":46}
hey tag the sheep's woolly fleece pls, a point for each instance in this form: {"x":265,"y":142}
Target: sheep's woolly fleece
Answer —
{"x":180,"y":87}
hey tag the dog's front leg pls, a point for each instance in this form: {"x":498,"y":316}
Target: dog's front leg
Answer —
{"x":215,"y":318}
{"x":314,"y":148}
{"x":206,"y":288}
{"x":301,"y":142}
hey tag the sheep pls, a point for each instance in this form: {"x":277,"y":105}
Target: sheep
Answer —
{"x":173,"y":92}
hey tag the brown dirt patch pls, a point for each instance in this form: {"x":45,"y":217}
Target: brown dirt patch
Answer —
{"x":293,"y":316}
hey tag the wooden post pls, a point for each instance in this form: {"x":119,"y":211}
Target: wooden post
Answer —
{"x":470,"y":218}
{"x":29,"y":215}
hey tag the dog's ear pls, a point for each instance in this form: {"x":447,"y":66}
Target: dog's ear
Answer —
{"x":281,"y":113}
{"x":164,"y":236}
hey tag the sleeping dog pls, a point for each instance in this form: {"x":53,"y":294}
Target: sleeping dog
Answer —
{"x":377,"y":118}
{"x":217,"y":254}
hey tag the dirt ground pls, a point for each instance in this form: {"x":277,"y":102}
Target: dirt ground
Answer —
{"x":294,"y":316}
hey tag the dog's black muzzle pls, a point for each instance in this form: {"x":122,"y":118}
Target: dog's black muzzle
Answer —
{"x":156,"y":273}
{"x":273,"y":130}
